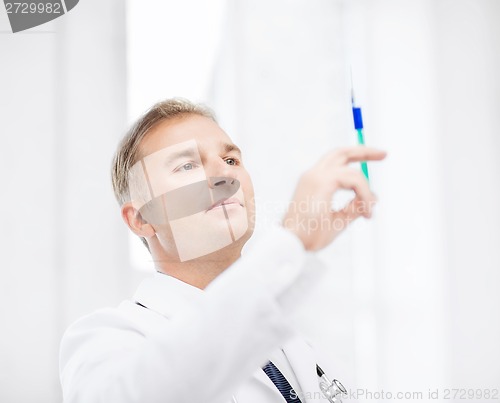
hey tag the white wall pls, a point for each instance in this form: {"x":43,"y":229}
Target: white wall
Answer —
{"x":403,"y":101}
{"x":28,"y":291}
{"x":62,"y":107}
{"x":468,"y":55}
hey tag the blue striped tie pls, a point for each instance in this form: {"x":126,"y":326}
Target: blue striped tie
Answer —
{"x":281,"y":383}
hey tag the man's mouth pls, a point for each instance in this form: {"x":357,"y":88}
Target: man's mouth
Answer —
{"x":225,"y":202}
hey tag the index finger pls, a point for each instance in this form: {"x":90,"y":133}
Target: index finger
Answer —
{"x":346,"y":155}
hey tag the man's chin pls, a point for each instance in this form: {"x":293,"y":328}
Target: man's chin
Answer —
{"x":194,"y":239}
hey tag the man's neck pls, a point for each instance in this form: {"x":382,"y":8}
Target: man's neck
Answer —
{"x":201,"y":271}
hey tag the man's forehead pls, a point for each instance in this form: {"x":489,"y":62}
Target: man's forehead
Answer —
{"x":190,"y":147}
{"x":180,"y":129}
{"x":183,"y":148}
{"x":205,"y":135}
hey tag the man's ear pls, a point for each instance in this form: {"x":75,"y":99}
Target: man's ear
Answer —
{"x":135,"y":222}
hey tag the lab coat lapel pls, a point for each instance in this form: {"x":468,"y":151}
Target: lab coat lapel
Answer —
{"x":301,"y":358}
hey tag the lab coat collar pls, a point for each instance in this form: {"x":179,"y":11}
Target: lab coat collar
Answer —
{"x":301,"y":358}
{"x":166,"y":294}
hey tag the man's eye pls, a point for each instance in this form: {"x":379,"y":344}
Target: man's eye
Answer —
{"x":188,"y":166}
{"x":230,"y":161}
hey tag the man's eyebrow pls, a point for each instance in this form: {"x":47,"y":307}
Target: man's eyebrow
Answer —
{"x":228,"y":147}
{"x":172,"y":157}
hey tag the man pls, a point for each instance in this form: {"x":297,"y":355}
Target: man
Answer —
{"x":204,"y":327}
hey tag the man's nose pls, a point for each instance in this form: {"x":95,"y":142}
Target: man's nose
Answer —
{"x":215,"y":182}
{"x":219,"y":174}
{"x":223,"y":187}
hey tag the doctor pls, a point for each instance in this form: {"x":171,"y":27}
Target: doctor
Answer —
{"x":210,"y":325}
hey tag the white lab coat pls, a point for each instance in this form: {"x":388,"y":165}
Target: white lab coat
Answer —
{"x":206,"y":346}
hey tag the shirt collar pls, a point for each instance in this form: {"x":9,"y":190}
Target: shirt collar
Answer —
{"x":166,"y":294}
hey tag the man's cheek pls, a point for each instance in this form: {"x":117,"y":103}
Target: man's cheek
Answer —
{"x":187,"y":200}
{"x":154,"y":211}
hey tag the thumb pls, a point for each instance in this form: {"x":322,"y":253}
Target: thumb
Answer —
{"x":353,"y":210}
